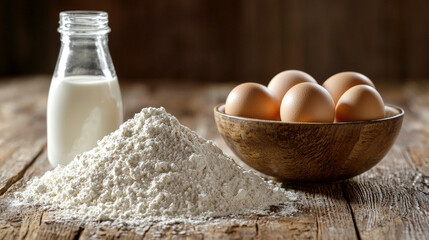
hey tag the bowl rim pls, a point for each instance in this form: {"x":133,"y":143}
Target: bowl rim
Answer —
{"x":218,"y":110}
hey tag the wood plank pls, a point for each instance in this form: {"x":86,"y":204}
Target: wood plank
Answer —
{"x":258,"y":42}
{"x":388,"y":201}
{"x":23,"y":127}
{"x":414,"y":17}
{"x":323,"y":38}
{"x":232,"y":40}
{"x":418,"y":146}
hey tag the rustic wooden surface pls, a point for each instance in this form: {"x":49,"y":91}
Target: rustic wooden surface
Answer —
{"x":391,"y":201}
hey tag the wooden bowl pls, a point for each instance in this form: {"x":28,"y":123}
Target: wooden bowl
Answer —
{"x":310,"y":152}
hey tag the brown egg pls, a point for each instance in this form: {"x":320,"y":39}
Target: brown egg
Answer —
{"x":390,"y":111}
{"x":359,"y":103}
{"x":252,"y":100}
{"x":307,"y":102}
{"x":283,"y":81}
{"x":341,"y":82}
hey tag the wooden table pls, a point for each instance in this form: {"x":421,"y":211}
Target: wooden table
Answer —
{"x":391,"y":201}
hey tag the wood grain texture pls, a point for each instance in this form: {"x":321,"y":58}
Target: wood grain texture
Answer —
{"x":223,"y":40}
{"x":22,"y":118}
{"x":388,"y":202}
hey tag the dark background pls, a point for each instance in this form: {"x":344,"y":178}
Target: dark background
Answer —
{"x":231,"y":40}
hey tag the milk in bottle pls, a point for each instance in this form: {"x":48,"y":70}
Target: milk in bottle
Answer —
{"x":84,"y":102}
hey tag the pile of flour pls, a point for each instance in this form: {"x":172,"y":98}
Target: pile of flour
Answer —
{"x":151,"y":168}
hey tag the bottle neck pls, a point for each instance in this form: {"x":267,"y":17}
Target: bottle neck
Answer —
{"x":84,"y":49}
{"x":67,"y":39}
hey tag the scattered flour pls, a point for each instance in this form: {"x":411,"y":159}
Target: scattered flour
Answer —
{"x":153,"y":168}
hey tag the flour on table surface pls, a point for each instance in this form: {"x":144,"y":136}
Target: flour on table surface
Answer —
{"x":153,"y":168}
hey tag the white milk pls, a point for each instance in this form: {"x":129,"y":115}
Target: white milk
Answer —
{"x":81,"y":111}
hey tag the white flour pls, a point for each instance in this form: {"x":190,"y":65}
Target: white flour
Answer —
{"x":153,"y":168}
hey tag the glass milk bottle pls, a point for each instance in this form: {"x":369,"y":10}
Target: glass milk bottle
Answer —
{"x":84,"y":102}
